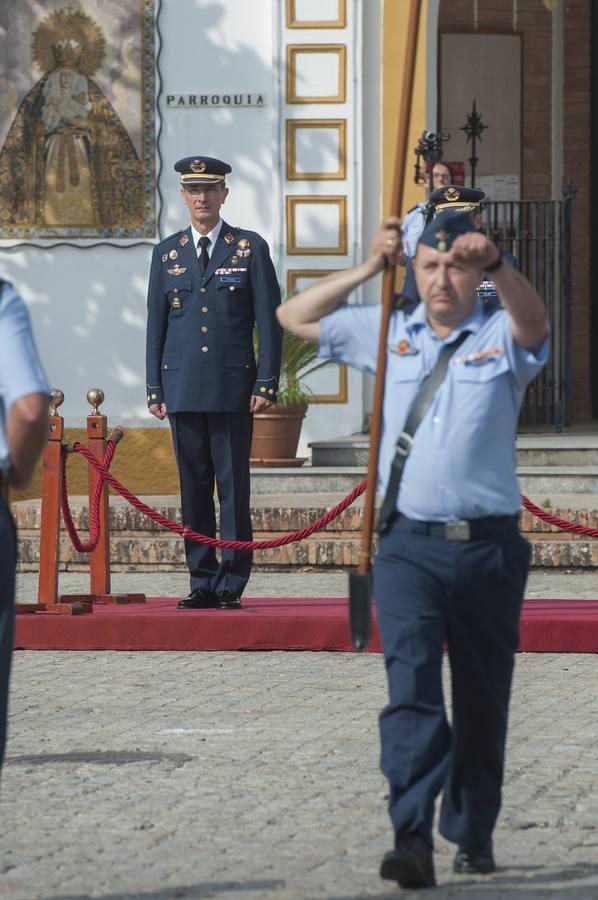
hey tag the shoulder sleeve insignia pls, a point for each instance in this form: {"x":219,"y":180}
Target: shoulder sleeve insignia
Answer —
{"x":184,"y":240}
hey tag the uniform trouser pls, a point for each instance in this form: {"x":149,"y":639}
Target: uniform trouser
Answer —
{"x":429,"y":593}
{"x":8,"y":559}
{"x":216,"y":446}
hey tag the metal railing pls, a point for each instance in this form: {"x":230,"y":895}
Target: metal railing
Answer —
{"x":538,"y":234}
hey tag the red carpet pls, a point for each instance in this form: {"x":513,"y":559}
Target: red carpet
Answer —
{"x":555,"y":626}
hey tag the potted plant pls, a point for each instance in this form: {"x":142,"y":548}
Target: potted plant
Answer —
{"x":276,"y":431}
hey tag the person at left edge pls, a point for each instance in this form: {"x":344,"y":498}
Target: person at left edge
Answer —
{"x":23,"y":431}
{"x":209,"y":285}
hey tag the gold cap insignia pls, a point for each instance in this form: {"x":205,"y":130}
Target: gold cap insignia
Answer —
{"x":198,"y":166}
{"x":441,"y":237}
{"x":451,"y":194}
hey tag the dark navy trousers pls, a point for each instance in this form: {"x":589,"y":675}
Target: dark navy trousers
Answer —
{"x":215,"y":447}
{"x":429,"y":593}
{"x":8,"y":561}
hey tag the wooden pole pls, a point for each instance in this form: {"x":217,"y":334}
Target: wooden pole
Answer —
{"x":47,"y":591}
{"x":360,"y":593}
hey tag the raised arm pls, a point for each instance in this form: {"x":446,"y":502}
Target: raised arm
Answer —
{"x":301,"y":314}
{"x":523,"y":304}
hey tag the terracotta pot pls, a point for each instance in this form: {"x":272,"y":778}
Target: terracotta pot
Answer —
{"x":276,"y":435}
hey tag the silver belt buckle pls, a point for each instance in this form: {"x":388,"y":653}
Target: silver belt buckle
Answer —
{"x":458,"y":531}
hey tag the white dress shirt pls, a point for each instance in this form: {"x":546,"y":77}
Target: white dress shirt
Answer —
{"x":212,"y":235}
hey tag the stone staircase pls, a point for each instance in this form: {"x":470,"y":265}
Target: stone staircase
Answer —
{"x":559,"y":472}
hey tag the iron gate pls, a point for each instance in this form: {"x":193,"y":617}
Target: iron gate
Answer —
{"x":538,"y":234}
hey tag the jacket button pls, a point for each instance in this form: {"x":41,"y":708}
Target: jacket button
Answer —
{"x":231,"y":288}
{"x":262,"y":390}
{"x":271,"y":391}
{"x":202,"y":290}
{"x":204,"y":309}
{"x":165,"y":366}
{"x":204,"y":328}
{"x":204,"y":349}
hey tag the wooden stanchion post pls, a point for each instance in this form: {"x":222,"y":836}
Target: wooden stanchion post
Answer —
{"x":99,"y":560}
{"x":97,"y":435}
{"x":49,"y":541}
{"x":50,"y":512}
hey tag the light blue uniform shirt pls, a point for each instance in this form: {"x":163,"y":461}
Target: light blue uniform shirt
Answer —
{"x":412,"y":227}
{"x":21,"y":371}
{"x":462,"y":461}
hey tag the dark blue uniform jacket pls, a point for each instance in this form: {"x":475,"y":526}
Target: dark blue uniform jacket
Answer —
{"x":199,"y":349}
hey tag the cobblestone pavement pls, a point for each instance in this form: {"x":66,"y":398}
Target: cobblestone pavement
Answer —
{"x":142,"y":776}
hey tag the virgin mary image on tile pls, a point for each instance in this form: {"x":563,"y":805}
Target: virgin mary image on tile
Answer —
{"x":74,"y":160}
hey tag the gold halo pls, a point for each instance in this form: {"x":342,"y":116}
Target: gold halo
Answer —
{"x":76,"y":26}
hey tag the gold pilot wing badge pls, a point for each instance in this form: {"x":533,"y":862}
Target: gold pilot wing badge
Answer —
{"x":177,"y":270}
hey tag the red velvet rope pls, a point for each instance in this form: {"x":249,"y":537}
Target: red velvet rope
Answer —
{"x":94,"y":509}
{"x":185,"y":532}
{"x":561,"y":524}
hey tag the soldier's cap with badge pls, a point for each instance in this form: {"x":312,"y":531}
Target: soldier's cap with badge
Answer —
{"x":446,"y":228}
{"x":456,"y":197}
{"x":201,"y":170}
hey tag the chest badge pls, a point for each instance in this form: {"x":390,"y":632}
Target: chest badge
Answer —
{"x":228,"y":238}
{"x":234,"y":261}
{"x":177,"y":270}
{"x":165,"y":257}
{"x":404,"y":348}
{"x":173,"y":254}
{"x":176,"y":303}
{"x":243,"y":247}
{"x":184,"y":240}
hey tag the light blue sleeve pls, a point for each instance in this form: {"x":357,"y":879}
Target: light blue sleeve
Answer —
{"x":524,"y":364}
{"x":413,"y":225}
{"x":350,"y":334}
{"x":21,"y":371}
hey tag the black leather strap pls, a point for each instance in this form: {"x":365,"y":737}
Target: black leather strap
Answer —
{"x":420,"y":406}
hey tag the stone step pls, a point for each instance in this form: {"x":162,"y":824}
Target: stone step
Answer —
{"x":138,"y":543}
{"x":570,"y":450}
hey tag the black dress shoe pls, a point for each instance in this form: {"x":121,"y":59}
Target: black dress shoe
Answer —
{"x":199,"y":598}
{"x":229,"y":600}
{"x":411,"y":863}
{"x":474,"y":861}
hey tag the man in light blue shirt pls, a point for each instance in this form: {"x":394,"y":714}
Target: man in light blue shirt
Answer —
{"x":23,"y":432}
{"x":451,"y":566}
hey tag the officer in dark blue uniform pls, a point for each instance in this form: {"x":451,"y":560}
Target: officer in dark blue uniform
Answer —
{"x":451,"y":564}
{"x":209,"y":285}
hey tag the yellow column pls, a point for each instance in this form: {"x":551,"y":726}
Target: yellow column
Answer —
{"x":394,"y":39}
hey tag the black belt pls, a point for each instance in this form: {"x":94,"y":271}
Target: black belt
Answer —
{"x":459,"y":529}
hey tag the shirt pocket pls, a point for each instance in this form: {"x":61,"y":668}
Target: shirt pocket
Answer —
{"x":178,"y":295}
{"x":404,"y":368}
{"x":482,"y":388}
{"x":232,"y":292}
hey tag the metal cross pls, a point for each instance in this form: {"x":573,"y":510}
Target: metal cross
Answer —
{"x":473,"y":128}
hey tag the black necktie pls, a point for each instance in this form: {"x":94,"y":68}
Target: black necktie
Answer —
{"x":203,"y":243}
